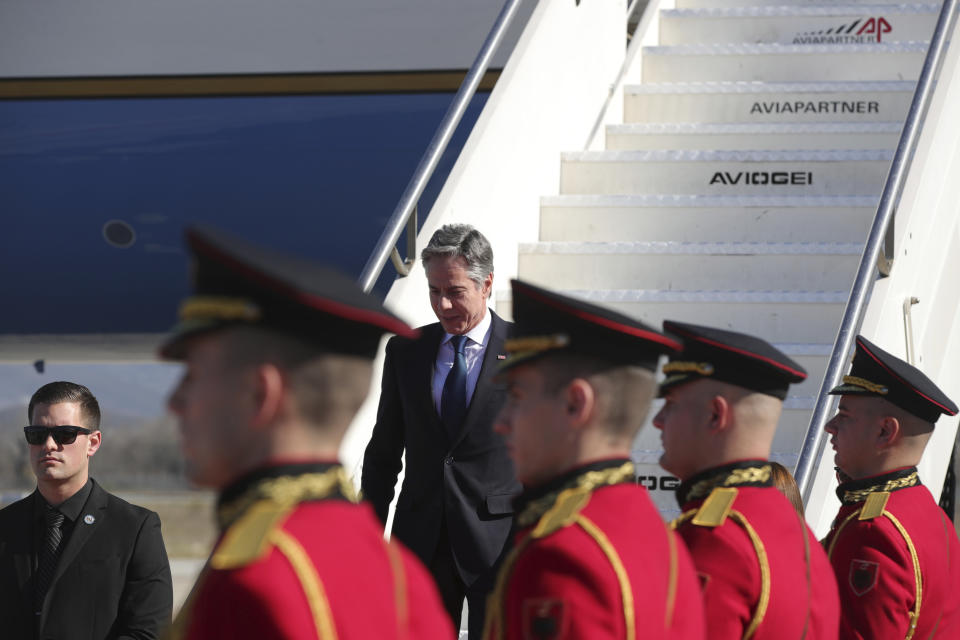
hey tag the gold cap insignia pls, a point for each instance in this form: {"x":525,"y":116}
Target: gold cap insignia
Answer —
{"x":219,"y":308}
{"x":873,"y":387}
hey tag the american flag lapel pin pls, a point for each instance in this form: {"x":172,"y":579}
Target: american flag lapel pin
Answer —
{"x":501,"y":356}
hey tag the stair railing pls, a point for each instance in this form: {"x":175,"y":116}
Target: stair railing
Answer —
{"x":405,"y":213}
{"x":814,"y":440}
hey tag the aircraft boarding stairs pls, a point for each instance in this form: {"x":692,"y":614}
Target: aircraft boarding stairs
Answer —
{"x":739,"y":190}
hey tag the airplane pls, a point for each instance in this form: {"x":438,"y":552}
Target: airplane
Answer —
{"x":297,"y":124}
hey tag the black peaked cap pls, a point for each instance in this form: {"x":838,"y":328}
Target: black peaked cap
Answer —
{"x":549,"y":323}
{"x":238,"y":283}
{"x":877,"y":373}
{"x":728,"y":356}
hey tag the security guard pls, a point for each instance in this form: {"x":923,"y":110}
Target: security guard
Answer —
{"x":894,"y":551}
{"x":592,"y":557}
{"x":762,"y":572}
{"x":278,"y":359}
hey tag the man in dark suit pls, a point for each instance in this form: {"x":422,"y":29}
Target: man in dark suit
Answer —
{"x":75,"y":560}
{"x":438,"y":403}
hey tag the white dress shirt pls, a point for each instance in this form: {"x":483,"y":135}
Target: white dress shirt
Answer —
{"x":473,"y":350}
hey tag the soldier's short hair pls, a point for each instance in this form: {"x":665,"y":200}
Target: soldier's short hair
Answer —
{"x":624,"y":393}
{"x":327,"y":387}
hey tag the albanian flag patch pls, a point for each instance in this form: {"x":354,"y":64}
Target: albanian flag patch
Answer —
{"x":863,"y":576}
{"x":543,"y":618}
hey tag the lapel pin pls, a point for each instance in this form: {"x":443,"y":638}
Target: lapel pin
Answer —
{"x":89,"y":519}
{"x":500,"y":356}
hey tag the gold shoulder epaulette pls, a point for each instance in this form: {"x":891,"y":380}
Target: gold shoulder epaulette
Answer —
{"x":563,"y":512}
{"x":874,"y":505}
{"x":715,"y":509}
{"x":248,"y":538}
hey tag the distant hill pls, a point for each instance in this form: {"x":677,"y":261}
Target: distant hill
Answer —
{"x":137,"y":453}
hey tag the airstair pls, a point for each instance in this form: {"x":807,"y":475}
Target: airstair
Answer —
{"x":732,"y":179}
{"x":740,"y":187}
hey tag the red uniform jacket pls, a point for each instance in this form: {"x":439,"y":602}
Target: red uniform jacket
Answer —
{"x":298,"y":560}
{"x":594,"y":560}
{"x":889,"y":531}
{"x":763,"y":574}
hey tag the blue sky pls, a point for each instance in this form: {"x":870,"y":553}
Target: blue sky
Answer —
{"x":133,"y":389}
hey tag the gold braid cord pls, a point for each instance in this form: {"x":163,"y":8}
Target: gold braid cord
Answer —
{"x":288,"y":491}
{"x":494,"y":626}
{"x":552,"y":512}
{"x":917,"y":574}
{"x":626,"y":591}
{"x":273,"y":498}
{"x":749,"y":475}
{"x":764,"y":600}
{"x":586,"y":482}
{"x":859,"y":495}
{"x":399,"y":588}
{"x":671,"y":578}
{"x":297,"y":556}
{"x":809,"y":577}
{"x":761,"y":552}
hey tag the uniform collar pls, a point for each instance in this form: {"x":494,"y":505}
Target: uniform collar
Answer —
{"x":532,"y":504}
{"x":285,"y":484}
{"x":855,"y":491}
{"x":744,"y":473}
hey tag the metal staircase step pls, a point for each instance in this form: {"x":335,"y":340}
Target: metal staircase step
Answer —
{"x":593,"y":218}
{"x":775,"y":102}
{"x":697,"y":4}
{"x":690,"y":265}
{"x":783,"y":63}
{"x":817,"y":24}
{"x":776,"y":316}
{"x":725,"y":172}
{"x":686,"y":135}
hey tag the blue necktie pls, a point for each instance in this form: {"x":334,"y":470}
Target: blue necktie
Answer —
{"x":453,"y":400}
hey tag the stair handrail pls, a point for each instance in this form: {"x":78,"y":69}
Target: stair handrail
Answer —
{"x":406,"y":208}
{"x":853,"y":314}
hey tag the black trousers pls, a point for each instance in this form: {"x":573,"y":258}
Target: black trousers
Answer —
{"x":453,"y":591}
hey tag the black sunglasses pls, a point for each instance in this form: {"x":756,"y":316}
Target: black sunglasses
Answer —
{"x":65,"y":434}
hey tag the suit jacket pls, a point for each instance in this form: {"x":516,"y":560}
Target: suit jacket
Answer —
{"x":112,"y":578}
{"x":467,"y":480}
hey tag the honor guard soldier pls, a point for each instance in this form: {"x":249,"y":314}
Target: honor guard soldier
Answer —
{"x":894,"y":551}
{"x":592,"y":557}
{"x":763,"y":574}
{"x":278,"y":356}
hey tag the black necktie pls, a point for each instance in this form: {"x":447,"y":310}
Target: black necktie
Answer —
{"x":453,"y":400}
{"x":49,"y":552}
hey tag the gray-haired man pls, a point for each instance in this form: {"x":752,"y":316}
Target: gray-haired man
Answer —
{"x":438,"y":402}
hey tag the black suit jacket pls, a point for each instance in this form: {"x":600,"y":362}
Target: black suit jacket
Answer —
{"x":112,"y":578}
{"x":469,"y":481}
